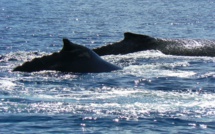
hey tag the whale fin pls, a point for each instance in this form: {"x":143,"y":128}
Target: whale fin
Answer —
{"x":76,"y":49}
{"x":67,"y":45}
{"x":129,"y":35}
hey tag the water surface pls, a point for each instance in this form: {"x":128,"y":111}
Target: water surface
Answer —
{"x":154,"y":93}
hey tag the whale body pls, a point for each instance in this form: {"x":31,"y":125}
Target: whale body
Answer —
{"x":80,"y":59}
{"x":72,"y":58}
{"x":136,"y":42}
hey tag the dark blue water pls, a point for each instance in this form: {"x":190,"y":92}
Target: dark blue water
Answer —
{"x":154,"y":93}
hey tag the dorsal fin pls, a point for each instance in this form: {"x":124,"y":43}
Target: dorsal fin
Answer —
{"x":67,"y":45}
{"x":129,"y":35}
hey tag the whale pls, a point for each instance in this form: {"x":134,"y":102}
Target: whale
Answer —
{"x":72,"y":58}
{"x":133,"y":42}
{"x":80,"y":59}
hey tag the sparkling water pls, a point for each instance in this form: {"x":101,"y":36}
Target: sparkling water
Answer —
{"x":154,"y":93}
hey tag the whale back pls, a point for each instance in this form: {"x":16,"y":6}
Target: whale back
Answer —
{"x":136,"y":42}
{"x":82,"y":59}
{"x":71,"y":58}
{"x":131,"y":43}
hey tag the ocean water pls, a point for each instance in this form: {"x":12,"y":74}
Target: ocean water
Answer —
{"x":154,"y":93}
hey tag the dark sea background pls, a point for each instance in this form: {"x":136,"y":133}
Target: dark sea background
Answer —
{"x":154,"y":93}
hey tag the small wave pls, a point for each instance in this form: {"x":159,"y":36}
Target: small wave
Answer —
{"x":13,"y":59}
{"x":156,"y":70}
{"x":119,"y":102}
{"x":7,"y":84}
{"x":141,"y":54}
{"x":208,"y":75}
{"x":20,"y":56}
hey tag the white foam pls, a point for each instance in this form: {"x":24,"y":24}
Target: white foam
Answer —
{"x":134,"y":56}
{"x":155,"y":71}
{"x":4,"y":83}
